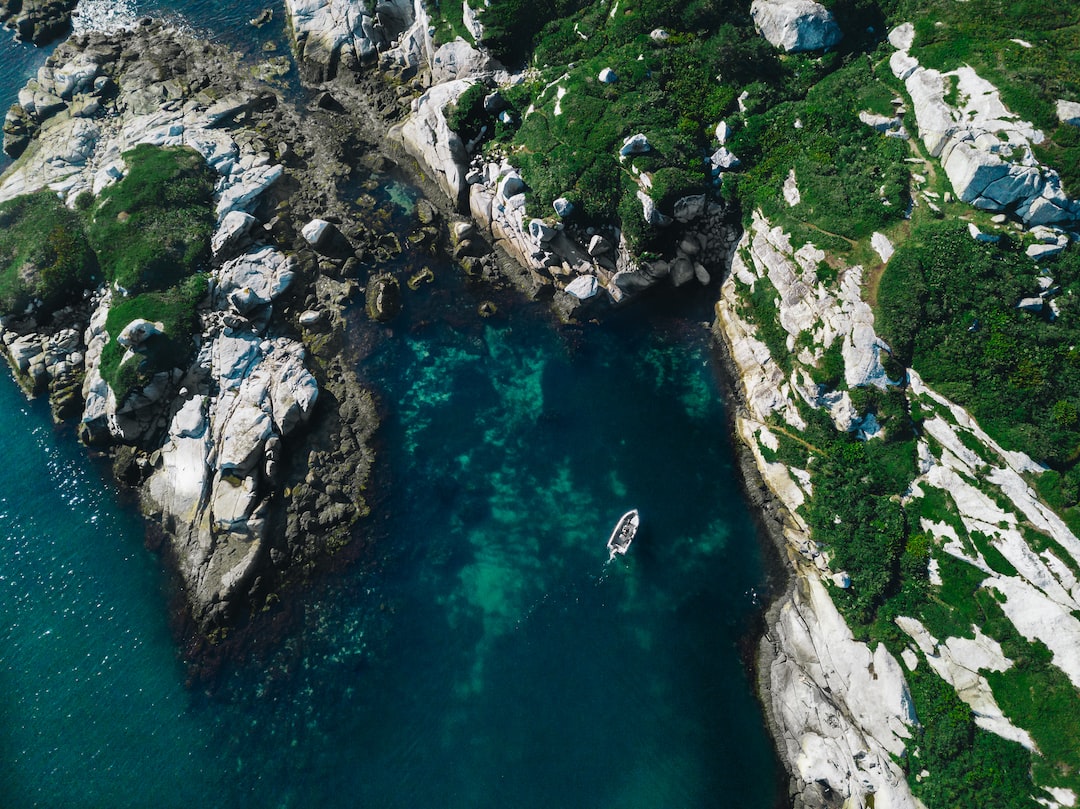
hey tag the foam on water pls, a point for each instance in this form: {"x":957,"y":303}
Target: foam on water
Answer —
{"x":104,"y":15}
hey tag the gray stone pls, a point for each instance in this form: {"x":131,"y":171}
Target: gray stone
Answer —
{"x":598,"y":246}
{"x":583,"y":287}
{"x":635,"y":144}
{"x":563,"y":207}
{"x":1043,"y":251}
{"x":650,"y":212}
{"x":795,"y":25}
{"x":138,"y":331}
{"x":541,"y":232}
{"x":723,"y":159}
{"x":632,"y":282}
{"x":317,"y":232}
{"x":682,"y":271}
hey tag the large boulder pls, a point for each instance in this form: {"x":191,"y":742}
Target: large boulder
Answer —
{"x":796,"y":25}
{"x":344,"y":33}
{"x":429,"y":138}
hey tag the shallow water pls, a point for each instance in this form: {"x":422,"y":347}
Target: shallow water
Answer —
{"x":482,"y":654}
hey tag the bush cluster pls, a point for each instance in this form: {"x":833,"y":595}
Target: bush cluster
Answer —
{"x":152,"y":229}
{"x":948,"y":308}
{"x":44,"y":253}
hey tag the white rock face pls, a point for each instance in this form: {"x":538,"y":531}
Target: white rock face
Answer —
{"x":958,"y":662}
{"x":263,"y":271}
{"x":882,"y":246}
{"x":431,"y":141}
{"x":983,"y":147}
{"x":1068,"y":112}
{"x":215,"y":456}
{"x":795,"y":25}
{"x":792,"y":195}
{"x":583,"y":287}
{"x":844,"y":710}
{"x":837,"y":724}
{"x":347,"y":32}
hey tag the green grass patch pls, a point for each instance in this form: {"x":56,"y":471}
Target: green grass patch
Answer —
{"x":968,"y":766}
{"x":762,"y":311}
{"x":852,"y":179}
{"x":947,"y":306}
{"x":152,"y":229}
{"x":175,"y":310}
{"x":448,"y":17}
{"x":1037,"y":696}
{"x":44,"y":253}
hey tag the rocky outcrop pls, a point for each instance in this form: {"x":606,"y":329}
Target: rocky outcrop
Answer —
{"x":547,"y":251}
{"x":839,"y":709}
{"x":248,"y":472}
{"x":984,"y":148}
{"x":37,"y":21}
{"x":333,"y":35}
{"x":839,"y":732}
{"x":796,"y":25}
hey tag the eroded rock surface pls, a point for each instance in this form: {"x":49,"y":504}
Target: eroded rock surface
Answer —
{"x":984,"y":148}
{"x":796,"y":25}
{"x":37,"y":21}
{"x":253,"y":456}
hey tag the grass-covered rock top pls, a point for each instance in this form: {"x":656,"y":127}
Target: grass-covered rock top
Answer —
{"x":673,"y":71}
{"x":44,"y":253}
{"x":152,"y":234}
{"x":152,"y":229}
{"x":148,"y":236}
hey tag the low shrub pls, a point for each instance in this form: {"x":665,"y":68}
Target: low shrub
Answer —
{"x":152,"y":229}
{"x":44,"y":253}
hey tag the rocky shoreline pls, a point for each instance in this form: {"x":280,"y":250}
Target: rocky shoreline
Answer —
{"x":269,"y":430}
{"x":839,"y":711}
{"x":37,"y":21}
{"x":537,"y":261}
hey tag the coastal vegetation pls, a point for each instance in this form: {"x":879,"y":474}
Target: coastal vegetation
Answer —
{"x":948,"y":308}
{"x":152,"y":229}
{"x":152,"y":234}
{"x":148,"y":235}
{"x":45,"y":255}
{"x":599,"y":73}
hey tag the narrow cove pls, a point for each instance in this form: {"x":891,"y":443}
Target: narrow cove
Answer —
{"x":481,"y":654}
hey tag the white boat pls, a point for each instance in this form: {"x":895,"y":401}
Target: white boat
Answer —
{"x":624,"y":532}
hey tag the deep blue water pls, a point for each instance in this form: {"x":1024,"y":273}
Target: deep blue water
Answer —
{"x":481,"y":654}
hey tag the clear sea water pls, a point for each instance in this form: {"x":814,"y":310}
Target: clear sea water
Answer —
{"x":481,"y":653}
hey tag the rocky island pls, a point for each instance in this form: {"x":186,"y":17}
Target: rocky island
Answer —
{"x":884,"y":216}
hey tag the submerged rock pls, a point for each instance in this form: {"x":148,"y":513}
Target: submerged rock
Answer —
{"x":383,"y":298}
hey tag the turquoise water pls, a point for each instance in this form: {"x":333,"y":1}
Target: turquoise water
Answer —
{"x":479,"y":654}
